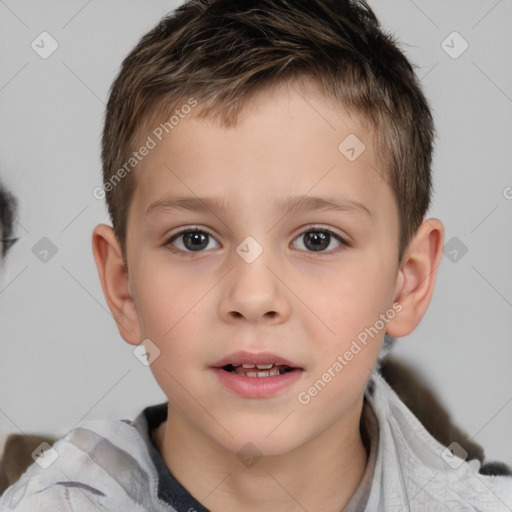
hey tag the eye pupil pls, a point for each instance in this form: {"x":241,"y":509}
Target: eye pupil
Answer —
{"x":318,"y":239}
{"x":195,"y":240}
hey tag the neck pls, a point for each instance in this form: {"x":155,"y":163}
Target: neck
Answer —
{"x":321,"y":474}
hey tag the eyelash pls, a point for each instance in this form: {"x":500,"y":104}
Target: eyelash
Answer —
{"x":311,"y":229}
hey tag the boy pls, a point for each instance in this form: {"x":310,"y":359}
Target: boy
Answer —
{"x":267,"y":172}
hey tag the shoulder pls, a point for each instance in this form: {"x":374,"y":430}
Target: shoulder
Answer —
{"x":99,"y":464}
{"x":414,"y":471}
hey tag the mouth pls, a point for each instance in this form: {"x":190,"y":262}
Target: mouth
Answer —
{"x":250,"y":364}
{"x":257,"y":375}
{"x":258,"y":370}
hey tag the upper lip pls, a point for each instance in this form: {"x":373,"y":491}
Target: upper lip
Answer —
{"x":241,"y":357}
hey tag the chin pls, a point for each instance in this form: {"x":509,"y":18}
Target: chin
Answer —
{"x":257,"y":442}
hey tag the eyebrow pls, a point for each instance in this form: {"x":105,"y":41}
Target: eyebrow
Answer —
{"x":292,"y":204}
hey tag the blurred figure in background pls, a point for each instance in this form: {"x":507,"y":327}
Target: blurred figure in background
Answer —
{"x":7,"y":212}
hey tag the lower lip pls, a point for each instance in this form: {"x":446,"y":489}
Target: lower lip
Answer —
{"x":257,"y":387}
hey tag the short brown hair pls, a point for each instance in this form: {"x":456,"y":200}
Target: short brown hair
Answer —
{"x":221,"y":52}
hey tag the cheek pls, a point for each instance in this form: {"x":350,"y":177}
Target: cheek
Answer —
{"x":173,"y":324}
{"x":170,"y":319}
{"x":352,"y":300}
{"x":352,"y":309}
{"x":351,"y":334}
{"x":165,"y":298}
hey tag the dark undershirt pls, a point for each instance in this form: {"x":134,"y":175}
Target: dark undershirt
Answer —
{"x":171,"y":491}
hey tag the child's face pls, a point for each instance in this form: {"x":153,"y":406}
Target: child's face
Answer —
{"x":302,"y":305}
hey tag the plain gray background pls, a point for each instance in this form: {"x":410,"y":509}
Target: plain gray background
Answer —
{"x":62,"y":357}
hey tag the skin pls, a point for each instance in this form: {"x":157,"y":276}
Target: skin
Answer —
{"x":305,"y":305}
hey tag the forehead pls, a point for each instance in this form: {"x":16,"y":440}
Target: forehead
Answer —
{"x":286,"y":142}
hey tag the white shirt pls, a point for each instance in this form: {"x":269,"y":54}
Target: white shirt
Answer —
{"x":113,"y":465}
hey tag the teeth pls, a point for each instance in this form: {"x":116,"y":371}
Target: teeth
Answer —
{"x":264,"y":373}
{"x":260,"y":370}
{"x":269,"y":373}
{"x":259,"y":366}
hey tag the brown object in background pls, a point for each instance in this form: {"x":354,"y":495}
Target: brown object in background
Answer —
{"x":17,"y":456}
{"x":427,"y":408}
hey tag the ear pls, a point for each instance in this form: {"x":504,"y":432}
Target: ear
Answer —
{"x":113,"y":275}
{"x":417,"y":277}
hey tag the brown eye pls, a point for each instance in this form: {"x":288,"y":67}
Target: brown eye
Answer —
{"x":191,"y":240}
{"x":318,"y":240}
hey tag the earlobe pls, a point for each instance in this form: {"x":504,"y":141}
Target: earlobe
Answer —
{"x":417,"y":276}
{"x":114,"y":280}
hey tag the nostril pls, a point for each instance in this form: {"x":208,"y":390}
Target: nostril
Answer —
{"x":271,"y":314}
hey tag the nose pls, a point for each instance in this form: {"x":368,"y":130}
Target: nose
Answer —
{"x":255,"y":292}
